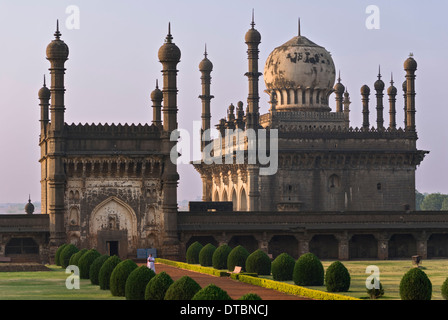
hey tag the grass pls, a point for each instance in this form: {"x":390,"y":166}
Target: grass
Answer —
{"x":391,"y":272}
{"x":48,"y":285}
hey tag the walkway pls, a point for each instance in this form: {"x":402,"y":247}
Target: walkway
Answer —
{"x":234,"y":288}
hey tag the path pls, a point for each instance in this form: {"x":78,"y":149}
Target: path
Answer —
{"x":234,"y":288}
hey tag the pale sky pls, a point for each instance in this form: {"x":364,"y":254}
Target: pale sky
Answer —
{"x":113,"y":66}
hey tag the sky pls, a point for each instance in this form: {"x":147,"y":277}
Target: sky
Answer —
{"x":113,"y":66}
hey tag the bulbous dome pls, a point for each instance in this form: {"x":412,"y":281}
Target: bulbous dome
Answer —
{"x":410,"y":64}
{"x":29,"y":207}
{"x":205,"y":65}
{"x":365,"y":90}
{"x":169,"y":52}
{"x":252,"y":36}
{"x":339,"y":88}
{"x":44,"y":93}
{"x":299,"y":63}
{"x":379,"y":85}
{"x":392,"y":90}
{"x":157,"y":94}
{"x":57,"y":49}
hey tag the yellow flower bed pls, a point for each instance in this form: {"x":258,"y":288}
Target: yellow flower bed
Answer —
{"x":194,"y":267}
{"x":293,"y":289}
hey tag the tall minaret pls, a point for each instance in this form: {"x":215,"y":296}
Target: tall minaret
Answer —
{"x":365,"y":92}
{"x":57,"y":54}
{"x":392,"y":93}
{"x":410,"y":65}
{"x":205,"y":67}
{"x":379,"y":88}
{"x":339,"y":91}
{"x":253,"y":39}
{"x":44,"y":97}
{"x":156,"y":98}
{"x":169,"y":55}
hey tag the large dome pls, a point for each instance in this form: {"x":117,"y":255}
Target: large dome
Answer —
{"x":300,"y":65}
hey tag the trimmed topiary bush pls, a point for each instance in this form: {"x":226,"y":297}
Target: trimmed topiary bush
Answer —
{"x":58,"y":254}
{"x":337,"y":278}
{"x":282,"y":267}
{"x":375,"y":293}
{"x":137,"y":281}
{"x":94,"y":272}
{"x":192,"y":255}
{"x":444,"y":289}
{"x":183,"y":288}
{"x":119,"y":276}
{"x":106,"y":271}
{"x":237,"y":257}
{"x":258,"y":262}
{"x":85,"y":261}
{"x":250,"y":296}
{"x":157,"y":286}
{"x":206,"y":255}
{"x":75,"y":258}
{"x":308,"y":271}
{"x":219,"y":259}
{"x":211,"y":292}
{"x":66,"y":254}
{"x":415,"y":285}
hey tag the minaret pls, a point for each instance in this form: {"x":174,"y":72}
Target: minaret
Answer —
{"x":346,"y":102}
{"x":379,"y":88}
{"x":205,"y":67}
{"x":404,"y":86}
{"x":365,"y":92}
{"x":339,"y":91}
{"x":57,"y":54}
{"x":44,"y":97}
{"x":156,"y":98}
{"x":253,"y":39}
{"x":392,"y":92}
{"x":169,"y":55}
{"x":410,"y":65}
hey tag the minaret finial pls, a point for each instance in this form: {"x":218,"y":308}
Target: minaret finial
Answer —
{"x":44,"y":82}
{"x":169,"y":37}
{"x":157,"y":83}
{"x":253,"y":20}
{"x":391,"y":79}
{"x":299,"y":28}
{"x":379,"y":72}
{"x":57,"y":34}
{"x":339,"y":77}
{"x":205,"y":51}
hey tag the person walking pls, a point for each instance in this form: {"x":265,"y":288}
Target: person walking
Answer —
{"x":150,"y":263}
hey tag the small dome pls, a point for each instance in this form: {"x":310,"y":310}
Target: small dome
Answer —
{"x":365,"y":90}
{"x":252,"y":36}
{"x":392,"y":90}
{"x":339,"y":88}
{"x":44,"y":93}
{"x":205,"y":65}
{"x":169,"y":52}
{"x":379,"y":85}
{"x":157,"y":94}
{"x":57,"y":49}
{"x":410,"y":64}
{"x":29,"y":207}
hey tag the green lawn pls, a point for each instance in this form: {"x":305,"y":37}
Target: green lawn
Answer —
{"x":391,"y":272}
{"x":48,"y":285}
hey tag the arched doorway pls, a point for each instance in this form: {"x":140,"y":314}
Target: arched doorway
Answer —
{"x":21,"y":246}
{"x":402,"y":246}
{"x":284,"y":244}
{"x":324,"y":246}
{"x":438,"y":245}
{"x":248,"y":242}
{"x":234,"y":200}
{"x":243,"y":200}
{"x":113,"y":228}
{"x":363,"y":246}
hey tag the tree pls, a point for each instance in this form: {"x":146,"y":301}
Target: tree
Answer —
{"x":433,"y":202}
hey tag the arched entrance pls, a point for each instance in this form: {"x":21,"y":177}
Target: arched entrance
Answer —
{"x":438,"y":245}
{"x":363,"y":246}
{"x":324,"y":246}
{"x":248,"y":242}
{"x":113,"y":228}
{"x":284,"y":244}
{"x":402,"y":246}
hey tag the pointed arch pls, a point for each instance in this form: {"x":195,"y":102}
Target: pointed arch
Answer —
{"x":224,"y":196}
{"x":243,"y":200}
{"x":234,"y":200}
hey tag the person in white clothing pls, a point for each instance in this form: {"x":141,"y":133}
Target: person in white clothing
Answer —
{"x":150,"y":263}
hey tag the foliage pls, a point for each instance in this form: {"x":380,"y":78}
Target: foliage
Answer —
{"x":308,"y":271}
{"x":66,"y":254}
{"x":283,"y":267}
{"x":211,"y":292}
{"x":194,"y":267}
{"x":95,"y":267}
{"x":183,"y":288}
{"x":219,"y":259}
{"x":376,"y":293}
{"x":106,"y":270}
{"x":258,"y":262}
{"x":415,"y":285}
{"x":444,"y":289}
{"x":434,"y":202}
{"x":192,"y":255}
{"x":337,"y":278}
{"x":85,"y":262}
{"x":206,"y":255}
{"x":58,"y":254}
{"x":75,"y":258}
{"x":137,"y":281}
{"x":157,"y":286}
{"x":119,"y":276}
{"x":250,"y":296}
{"x":237,"y":257}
